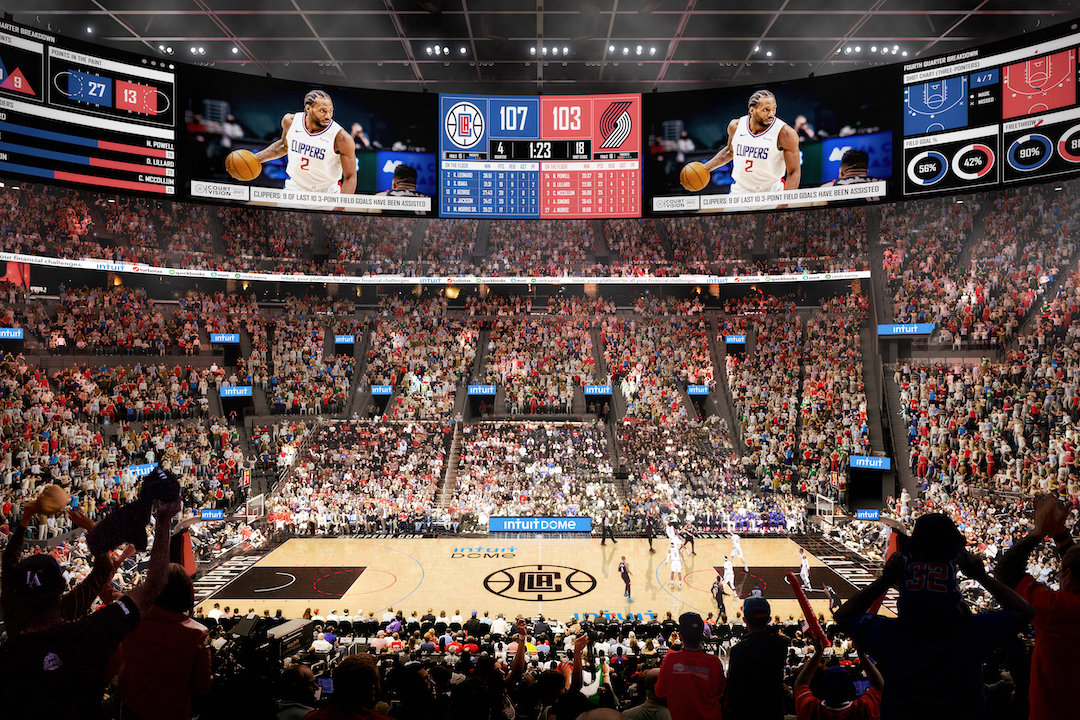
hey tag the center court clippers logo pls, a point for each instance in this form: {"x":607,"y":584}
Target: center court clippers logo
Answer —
{"x":535,"y":583}
{"x":615,"y":125}
{"x":464,"y":125}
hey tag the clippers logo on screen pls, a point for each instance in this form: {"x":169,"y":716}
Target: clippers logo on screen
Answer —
{"x":615,"y":125}
{"x":465,"y":125}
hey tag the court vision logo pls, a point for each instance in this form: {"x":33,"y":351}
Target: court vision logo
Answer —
{"x":482,"y":552}
{"x":540,"y":582}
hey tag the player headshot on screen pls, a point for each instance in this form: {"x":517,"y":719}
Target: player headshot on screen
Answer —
{"x":321,"y":153}
{"x":763,"y":150}
{"x":854,"y":166}
{"x":403,"y":184}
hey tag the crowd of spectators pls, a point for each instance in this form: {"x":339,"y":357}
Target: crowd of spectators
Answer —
{"x":635,"y":243}
{"x":376,"y":243}
{"x":653,"y":360}
{"x":425,"y":354}
{"x":448,"y":245}
{"x":109,"y":321}
{"x":540,"y":362}
{"x":361,"y":476}
{"x":538,"y":247}
{"x":713,"y":243}
{"x":764,"y":387}
{"x":834,"y":422}
{"x":523,"y":469}
{"x":827,"y":233}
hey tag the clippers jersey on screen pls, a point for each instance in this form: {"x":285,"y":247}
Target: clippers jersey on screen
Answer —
{"x":757,"y":163}
{"x":313,"y":165}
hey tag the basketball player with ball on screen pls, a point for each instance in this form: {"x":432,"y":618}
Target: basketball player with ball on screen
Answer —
{"x":763,"y":150}
{"x":321,"y":153}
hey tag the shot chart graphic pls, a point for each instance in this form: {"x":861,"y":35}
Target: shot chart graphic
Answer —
{"x":936,"y":106}
{"x":1038,"y":85}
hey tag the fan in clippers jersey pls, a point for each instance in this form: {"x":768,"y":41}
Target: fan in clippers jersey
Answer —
{"x":321,"y":154}
{"x":763,"y":150}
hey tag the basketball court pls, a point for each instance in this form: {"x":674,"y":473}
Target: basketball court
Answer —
{"x":558,"y":578}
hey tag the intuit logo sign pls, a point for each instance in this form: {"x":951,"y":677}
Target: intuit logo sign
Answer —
{"x":11,"y":333}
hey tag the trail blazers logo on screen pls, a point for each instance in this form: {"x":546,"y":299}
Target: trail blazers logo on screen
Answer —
{"x":615,"y":125}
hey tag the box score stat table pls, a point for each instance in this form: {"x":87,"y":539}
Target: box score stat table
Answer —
{"x":547,"y":157}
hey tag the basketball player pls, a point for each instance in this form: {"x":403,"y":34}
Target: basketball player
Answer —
{"x":718,"y":595}
{"x":854,"y":166}
{"x":736,"y":549}
{"x":624,"y":570}
{"x":764,"y":151}
{"x":321,"y":153}
{"x":804,"y":570}
{"x":729,"y":575}
{"x":675,"y":560}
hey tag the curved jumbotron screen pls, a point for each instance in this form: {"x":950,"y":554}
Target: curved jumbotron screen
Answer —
{"x":989,"y":117}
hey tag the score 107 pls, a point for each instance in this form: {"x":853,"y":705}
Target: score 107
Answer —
{"x":540,"y":149}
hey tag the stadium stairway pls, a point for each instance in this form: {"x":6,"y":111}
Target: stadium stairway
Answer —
{"x":902,"y":465}
{"x":217,"y":233}
{"x":417,"y":239}
{"x":721,"y":397}
{"x":760,"y":248}
{"x":480,"y":247}
{"x":665,"y":241}
{"x":213,"y":397}
{"x":978,"y":230}
{"x":358,"y":398}
{"x":245,"y":343}
{"x":449,"y":482}
{"x":600,"y":245}
{"x":259,"y":401}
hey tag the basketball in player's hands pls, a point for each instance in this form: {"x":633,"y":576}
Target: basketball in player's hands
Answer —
{"x":694,"y":176}
{"x":243,"y":165}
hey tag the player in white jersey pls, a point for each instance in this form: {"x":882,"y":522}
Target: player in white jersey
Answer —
{"x":736,"y":550}
{"x":729,"y":575}
{"x":674,"y":557}
{"x":321,"y":154}
{"x":804,"y":570}
{"x":763,"y":150}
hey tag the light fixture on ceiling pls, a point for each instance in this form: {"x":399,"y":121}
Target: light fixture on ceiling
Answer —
{"x":429,"y":50}
{"x":847,"y":50}
{"x":873,"y":48}
{"x":652,"y":51}
{"x":565,"y":50}
{"x":554,"y":51}
{"x":202,"y":51}
{"x":462,"y":50}
{"x":638,"y":49}
{"x":626,"y":51}
{"x":904,"y":54}
{"x":89,"y":30}
{"x":858,"y":49}
{"x":611,"y":48}
{"x":545,"y":51}
{"x":768,"y":54}
{"x":235,"y":50}
{"x":532,"y":51}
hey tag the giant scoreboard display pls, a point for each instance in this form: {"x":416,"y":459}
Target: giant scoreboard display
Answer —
{"x":74,"y":113}
{"x":540,"y":157}
{"x":982,"y":118}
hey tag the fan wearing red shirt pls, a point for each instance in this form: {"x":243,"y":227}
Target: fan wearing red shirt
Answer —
{"x":1055,"y":665}
{"x":835,"y":698}
{"x":691,"y":680}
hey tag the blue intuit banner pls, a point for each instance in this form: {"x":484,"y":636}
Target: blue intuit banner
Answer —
{"x":482,"y":389}
{"x":225,"y":338}
{"x":212,"y":514}
{"x":597,"y":389}
{"x":870,"y":462}
{"x":11,"y":333}
{"x":141,"y":470}
{"x":867,"y":514}
{"x":345,"y":339}
{"x":539,"y":524}
{"x":913,"y":329}
{"x":697,"y":389}
{"x":735,"y":339}
{"x":382,"y":389}
{"x":236,"y":391}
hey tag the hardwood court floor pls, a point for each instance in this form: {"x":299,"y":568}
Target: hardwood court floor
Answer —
{"x":559,"y":578}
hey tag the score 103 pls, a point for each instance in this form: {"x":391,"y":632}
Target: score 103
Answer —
{"x":564,"y":118}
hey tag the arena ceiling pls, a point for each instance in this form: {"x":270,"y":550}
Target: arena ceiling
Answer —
{"x":499,"y":45}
